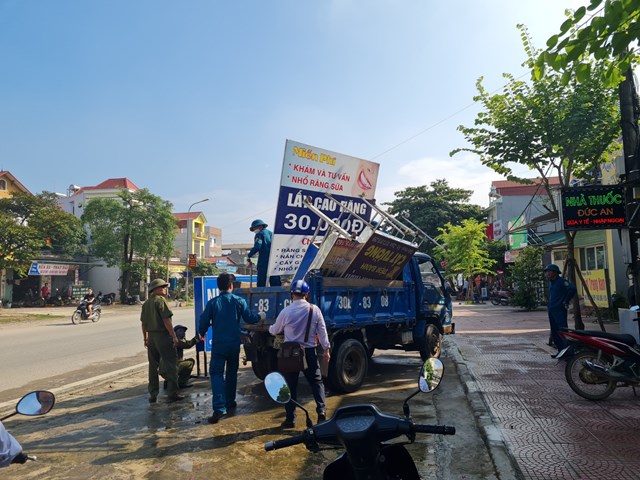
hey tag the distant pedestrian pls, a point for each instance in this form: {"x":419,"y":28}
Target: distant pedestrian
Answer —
{"x":44,"y":292}
{"x":561,"y":291}
{"x":262,"y":247}
{"x":160,"y":341}
{"x":223,"y":314}
{"x":293,"y":321}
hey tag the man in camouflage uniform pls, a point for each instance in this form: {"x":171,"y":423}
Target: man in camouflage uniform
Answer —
{"x":160,"y":341}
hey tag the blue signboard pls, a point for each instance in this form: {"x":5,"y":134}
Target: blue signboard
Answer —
{"x":204,"y":289}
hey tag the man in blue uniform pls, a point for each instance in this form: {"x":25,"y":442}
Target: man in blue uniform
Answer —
{"x":561,"y":291}
{"x":262,"y":247}
{"x":223,"y":314}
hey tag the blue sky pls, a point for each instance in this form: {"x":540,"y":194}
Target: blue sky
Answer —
{"x":195,"y":99}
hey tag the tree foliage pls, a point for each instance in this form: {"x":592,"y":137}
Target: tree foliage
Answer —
{"x":555,"y":127}
{"x":132,"y":228}
{"x":432,"y":208}
{"x":204,"y":269}
{"x":527,"y":278}
{"x":607,"y":31}
{"x":465,"y":248}
{"x":33,"y":225}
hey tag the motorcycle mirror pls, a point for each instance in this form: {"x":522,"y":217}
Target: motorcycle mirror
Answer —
{"x":429,"y":379}
{"x":34,"y":403}
{"x":279,"y":391}
{"x":277,"y":387}
{"x":430,"y":375}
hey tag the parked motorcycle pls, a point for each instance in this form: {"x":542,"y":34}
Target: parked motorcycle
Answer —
{"x":599,"y":362}
{"x":363,"y":432}
{"x":106,"y":299}
{"x":32,"y":404}
{"x":82,"y":313}
{"x":500,"y":297}
{"x":55,"y":299}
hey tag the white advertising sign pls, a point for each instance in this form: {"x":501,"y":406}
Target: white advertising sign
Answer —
{"x":48,"y":269}
{"x":311,"y":172}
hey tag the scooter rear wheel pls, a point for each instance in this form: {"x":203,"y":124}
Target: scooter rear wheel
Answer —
{"x":585,"y":382}
{"x":95,"y":316}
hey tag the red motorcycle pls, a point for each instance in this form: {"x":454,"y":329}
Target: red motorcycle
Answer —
{"x":599,"y":362}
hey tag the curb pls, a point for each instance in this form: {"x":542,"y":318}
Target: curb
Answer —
{"x":505,"y":465}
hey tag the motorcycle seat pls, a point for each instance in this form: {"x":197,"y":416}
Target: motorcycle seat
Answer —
{"x":625,"y":338}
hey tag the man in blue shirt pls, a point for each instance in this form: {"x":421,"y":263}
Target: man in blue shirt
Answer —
{"x":223,"y":314}
{"x":262,"y":247}
{"x":561,"y":292}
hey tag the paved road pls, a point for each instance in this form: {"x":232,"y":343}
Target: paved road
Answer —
{"x":49,"y":353}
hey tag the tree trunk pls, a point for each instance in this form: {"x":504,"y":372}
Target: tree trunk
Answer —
{"x":571,"y":265}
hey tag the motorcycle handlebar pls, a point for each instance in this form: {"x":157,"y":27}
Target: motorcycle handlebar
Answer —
{"x":285,"y":442}
{"x":436,"y":429}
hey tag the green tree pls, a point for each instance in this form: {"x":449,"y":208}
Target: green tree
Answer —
{"x":204,"y":269}
{"x":432,"y":208}
{"x":611,"y":35}
{"x":555,"y":128}
{"x":135,"y":227}
{"x":527,"y":278}
{"x":465,"y":248}
{"x":31,"y":225}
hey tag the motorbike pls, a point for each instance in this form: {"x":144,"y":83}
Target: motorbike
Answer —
{"x":599,"y":362}
{"x":500,"y":297}
{"x":106,"y":299}
{"x":364,"y":432}
{"x":55,"y":299}
{"x":82,"y":313}
{"x":32,"y":404}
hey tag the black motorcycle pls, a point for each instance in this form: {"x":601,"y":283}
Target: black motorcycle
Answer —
{"x":363,"y":432}
{"x":82,"y":313}
{"x":106,"y":299}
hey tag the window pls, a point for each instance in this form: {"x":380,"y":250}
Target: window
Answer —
{"x":3,"y":185}
{"x":592,"y":258}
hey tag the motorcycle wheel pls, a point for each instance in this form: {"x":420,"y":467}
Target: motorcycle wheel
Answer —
{"x":587,"y":383}
{"x":494,"y":301}
{"x":95,"y":316}
{"x":76,"y":318}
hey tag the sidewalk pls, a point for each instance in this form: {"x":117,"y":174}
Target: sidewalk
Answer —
{"x":550,"y":432}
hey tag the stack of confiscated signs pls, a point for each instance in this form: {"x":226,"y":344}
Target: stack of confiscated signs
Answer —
{"x":380,"y":252}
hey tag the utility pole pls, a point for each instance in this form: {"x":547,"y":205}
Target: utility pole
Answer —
{"x":629,"y":114}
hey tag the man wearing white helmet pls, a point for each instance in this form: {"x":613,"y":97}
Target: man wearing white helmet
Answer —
{"x":292,"y":321}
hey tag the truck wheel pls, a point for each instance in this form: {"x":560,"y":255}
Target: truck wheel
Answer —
{"x":348,"y":367}
{"x":267,"y":363}
{"x":432,"y":343}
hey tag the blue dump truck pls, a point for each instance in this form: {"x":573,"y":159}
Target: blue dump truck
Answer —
{"x":409,"y":313}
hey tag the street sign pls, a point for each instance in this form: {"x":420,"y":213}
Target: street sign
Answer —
{"x":192,"y":260}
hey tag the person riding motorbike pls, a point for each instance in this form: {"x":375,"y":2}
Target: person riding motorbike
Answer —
{"x":90,"y":298}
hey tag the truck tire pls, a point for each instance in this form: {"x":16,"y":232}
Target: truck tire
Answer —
{"x":267,"y":363}
{"x":348,"y":366}
{"x":432,"y":343}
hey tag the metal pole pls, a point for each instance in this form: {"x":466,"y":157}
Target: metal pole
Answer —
{"x":189,"y":226}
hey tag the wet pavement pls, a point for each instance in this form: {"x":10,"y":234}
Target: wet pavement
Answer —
{"x":515,"y":415}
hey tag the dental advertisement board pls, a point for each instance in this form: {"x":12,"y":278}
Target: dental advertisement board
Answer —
{"x":310,"y":172}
